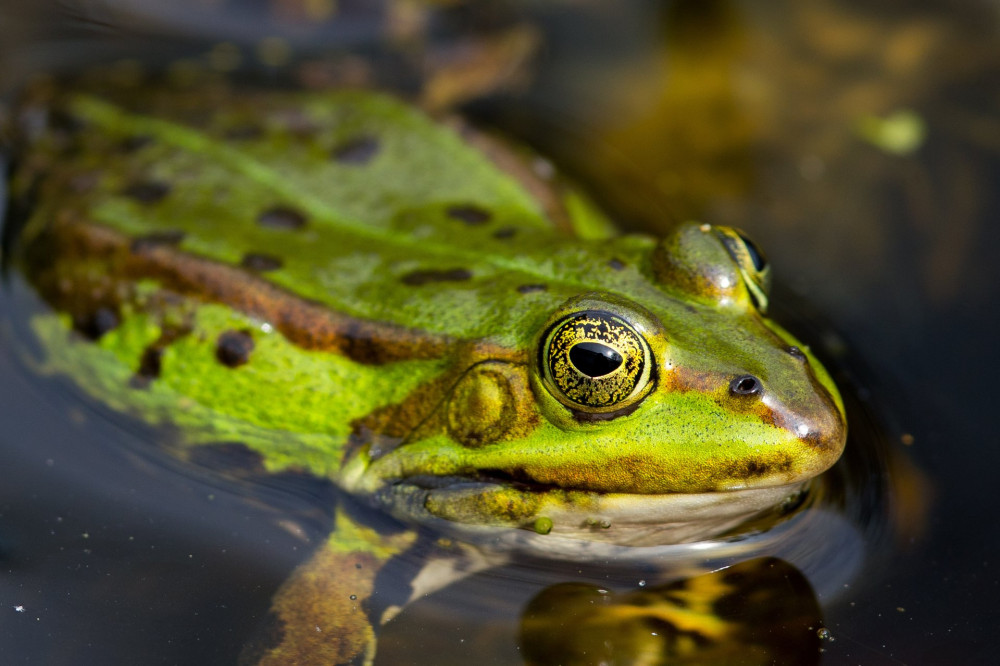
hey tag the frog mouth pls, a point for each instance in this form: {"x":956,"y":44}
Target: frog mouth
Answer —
{"x":629,"y":519}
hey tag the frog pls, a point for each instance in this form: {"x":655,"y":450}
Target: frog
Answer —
{"x":343,"y":285}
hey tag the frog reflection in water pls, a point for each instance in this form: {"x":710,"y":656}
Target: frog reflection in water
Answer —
{"x":351,"y":289}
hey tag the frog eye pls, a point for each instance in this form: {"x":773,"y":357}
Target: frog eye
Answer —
{"x":595,"y":361}
{"x":713,"y":265}
{"x":752,"y":264}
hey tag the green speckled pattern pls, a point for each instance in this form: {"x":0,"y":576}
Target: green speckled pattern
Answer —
{"x":363,"y":206}
{"x":366,"y":225}
{"x":351,"y":289}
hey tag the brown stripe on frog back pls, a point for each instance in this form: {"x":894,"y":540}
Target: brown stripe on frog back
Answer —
{"x":305,"y":323}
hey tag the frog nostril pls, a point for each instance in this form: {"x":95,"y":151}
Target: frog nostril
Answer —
{"x":796,"y":353}
{"x":745,"y":385}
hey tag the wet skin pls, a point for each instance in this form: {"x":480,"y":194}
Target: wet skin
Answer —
{"x":349,"y":288}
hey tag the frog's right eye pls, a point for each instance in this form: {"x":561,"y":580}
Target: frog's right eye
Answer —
{"x":714,"y":265}
{"x":594,"y":361}
{"x":751,"y":263}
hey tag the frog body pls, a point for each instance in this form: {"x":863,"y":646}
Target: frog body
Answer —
{"x":352,"y":289}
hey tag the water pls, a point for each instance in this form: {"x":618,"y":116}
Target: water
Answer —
{"x":722,"y":111}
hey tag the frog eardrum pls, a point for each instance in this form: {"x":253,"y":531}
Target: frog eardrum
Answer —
{"x":596,"y":361}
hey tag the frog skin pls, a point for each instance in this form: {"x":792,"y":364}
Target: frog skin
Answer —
{"x":351,"y":289}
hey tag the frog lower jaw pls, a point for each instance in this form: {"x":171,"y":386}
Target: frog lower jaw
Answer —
{"x":611,"y":518}
{"x":653,"y":520}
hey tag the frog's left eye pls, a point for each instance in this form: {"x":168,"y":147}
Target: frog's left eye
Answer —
{"x":595,"y":361}
{"x":752,"y":264}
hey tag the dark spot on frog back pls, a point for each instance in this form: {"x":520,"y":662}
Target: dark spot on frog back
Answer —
{"x":469,"y":213}
{"x":281,"y":217}
{"x":150,"y":363}
{"x":504,"y":233}
{"x":531,"y":288}
{"x":616,"y":264}
{"x":94,"y":325}
{"x":146,"y":191}
{"x":260,"y":263}
{"x":357,"y":151}
{"x":421,"y":277}
{"x":233,"y":348}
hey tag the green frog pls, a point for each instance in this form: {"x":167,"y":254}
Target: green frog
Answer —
{"x":434,"y":321}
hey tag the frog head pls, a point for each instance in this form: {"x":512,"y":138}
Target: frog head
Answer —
{"x":681,"y":412}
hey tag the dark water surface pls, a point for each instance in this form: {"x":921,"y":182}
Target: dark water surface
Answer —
{"x":727,"y":112}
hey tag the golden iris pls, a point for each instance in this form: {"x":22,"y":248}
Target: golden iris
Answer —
{"x":595,"y":360}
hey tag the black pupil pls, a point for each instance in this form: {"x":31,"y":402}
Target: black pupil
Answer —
{"x":594,"y":359}
{"x":756,"y":256}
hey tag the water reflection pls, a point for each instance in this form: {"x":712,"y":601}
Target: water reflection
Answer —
{"x":760,"y":611}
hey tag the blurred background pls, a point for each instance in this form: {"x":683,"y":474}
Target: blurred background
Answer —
{"x":857,"y":142}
